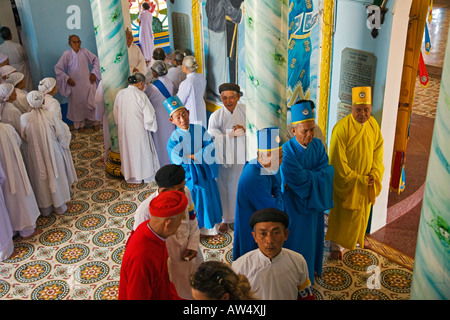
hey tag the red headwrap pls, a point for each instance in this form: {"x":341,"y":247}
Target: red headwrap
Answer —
{"x":168,"y":204}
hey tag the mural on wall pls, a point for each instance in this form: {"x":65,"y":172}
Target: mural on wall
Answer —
{"x":303,"y":52}
{"x":223,"y":39}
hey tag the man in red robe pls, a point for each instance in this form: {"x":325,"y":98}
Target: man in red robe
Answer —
{"x":144,"y":273}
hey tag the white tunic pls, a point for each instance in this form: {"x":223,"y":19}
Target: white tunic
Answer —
{"x":135,"y":118}
{"x":52,"y":105}
{"x":75,"y":65}
{"x":165,"y":127}
{"x":146,"y":40}
{"x":191,"y":93}
{"x":136,"y":59}
{"x":187,"y":237}
{"x":48,"y":167}
{"x":100,"y":113}
{"x":279,"y":279}
{"x":21,"y":102}
{"x":230,"y":154}
{"x":6,"y":233}
{"x":17,"y":191}
{"x":11,"y":115}
{"x":18,"y":59}
{"x":177,"y":76}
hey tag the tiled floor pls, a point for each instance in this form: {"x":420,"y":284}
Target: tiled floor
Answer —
{"x":78,"y":255}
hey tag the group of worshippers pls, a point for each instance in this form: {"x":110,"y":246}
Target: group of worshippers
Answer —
{"x":277,"y":202}
{"x":36,"y":167}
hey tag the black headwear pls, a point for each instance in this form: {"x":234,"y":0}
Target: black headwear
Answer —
{"x":170,"y":175}
{"x":269,"y":215}
{"x":229,"y":86}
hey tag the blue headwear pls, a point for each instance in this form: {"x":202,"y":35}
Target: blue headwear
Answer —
{"x":269,"y":139}
{"x":173,"y":104}
{"x":301,"y":112}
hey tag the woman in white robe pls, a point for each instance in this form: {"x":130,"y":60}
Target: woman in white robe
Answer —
{"x":18,"y":80}
{"x":146,"y":39}
{"x":100,"y":111}
{"x":176,"y":73}
{"x":17,"y":56}
{"x":192,"y":91}
{"x":49,"y":88}
{"x":45,"y":158}
{"x":17,"y":191}
{"x":8,"y":112}
{"x":77,"y":82}
{"x":158,"y":91}
{"x":6,"y":233}
{"x":136,"y":120}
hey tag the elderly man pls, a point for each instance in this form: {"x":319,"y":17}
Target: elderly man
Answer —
{"x":76,"y":81}
{"x":275,"y":273}
{"x":356,"y":153}
{"x":191,"y":146}
{"x":184,"y":252}
{"x":144,"y":273}
{"x":176,"y":73}
{"x":259,"y":187}
{"x":136,"y":120}
{"x":227,"y":127}
{"x":135,"y":57}
{"x":307,"y":180}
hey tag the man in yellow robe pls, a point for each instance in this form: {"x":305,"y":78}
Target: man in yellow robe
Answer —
{"x":356,"y":153}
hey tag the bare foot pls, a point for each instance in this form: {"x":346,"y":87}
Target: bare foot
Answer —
{"x":13,"y":254}
{"x":223,"y":227}
{"x":367,"y":244}
{"x":82,"y":130}
{"x":36,"y":231}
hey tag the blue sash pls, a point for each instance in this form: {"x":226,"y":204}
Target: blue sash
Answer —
{"x":162,"y":88}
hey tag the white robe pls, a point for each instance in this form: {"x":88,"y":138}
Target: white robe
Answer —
{"x":136,"y":59}
{"x":230,"y":154}
{"x":75,"y":65}
{"x":187,"y":237}
{"x":52,"y":105}
{"x":135,"y":118}
{"x":46,"y":161}
{"x":191,"y":93}
{"x":6,"y":233}
{"x":279,"y":279}
{"x":21,"y":102}
{"x":18,"y":59}
{"x":177,"y":76}
{"x":17,"y":191}
{"x":100,"y":111}
{"x":165,"y":127}
{"x":146,"y":40}
{"x":11,"y":115}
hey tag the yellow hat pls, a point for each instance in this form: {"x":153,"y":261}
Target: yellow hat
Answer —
{"x":362,"y":95}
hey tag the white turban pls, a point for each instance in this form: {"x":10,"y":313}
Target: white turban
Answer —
{"x":46,"y":85}
{"x":14,"y":78}
{"x":3,"y":57}
{"x":5,"y":91}
{"x":5,"y":70}
{"x":35,"y":99}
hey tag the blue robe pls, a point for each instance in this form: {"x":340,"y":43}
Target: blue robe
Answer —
{"x":201,"y":174}
{"x":255,"y":191}
{"x":307,"y":180}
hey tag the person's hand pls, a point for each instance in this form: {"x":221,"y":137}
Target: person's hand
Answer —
{"x":71,"y":82}
{"x":189,"y":255}
{"x":191,"y":156}
{"x":371,"y":180}
{"x":135,"y":70}
{"x":92,"y":78}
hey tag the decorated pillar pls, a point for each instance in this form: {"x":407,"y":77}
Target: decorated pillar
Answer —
{"x":431,"y":277}
{"x":113,"y":56}
{"x":266,"y":36}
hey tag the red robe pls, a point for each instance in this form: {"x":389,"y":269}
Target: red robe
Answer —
{"x":144,"y":273}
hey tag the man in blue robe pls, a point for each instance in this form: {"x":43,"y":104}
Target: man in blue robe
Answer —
{"x":259,"y":187}
{"x":192,"y":147}
{"x":307,"y":183}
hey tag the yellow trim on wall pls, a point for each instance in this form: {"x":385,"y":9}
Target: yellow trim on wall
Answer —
{"x":197,"y":29}
{"x":325,"y":64}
